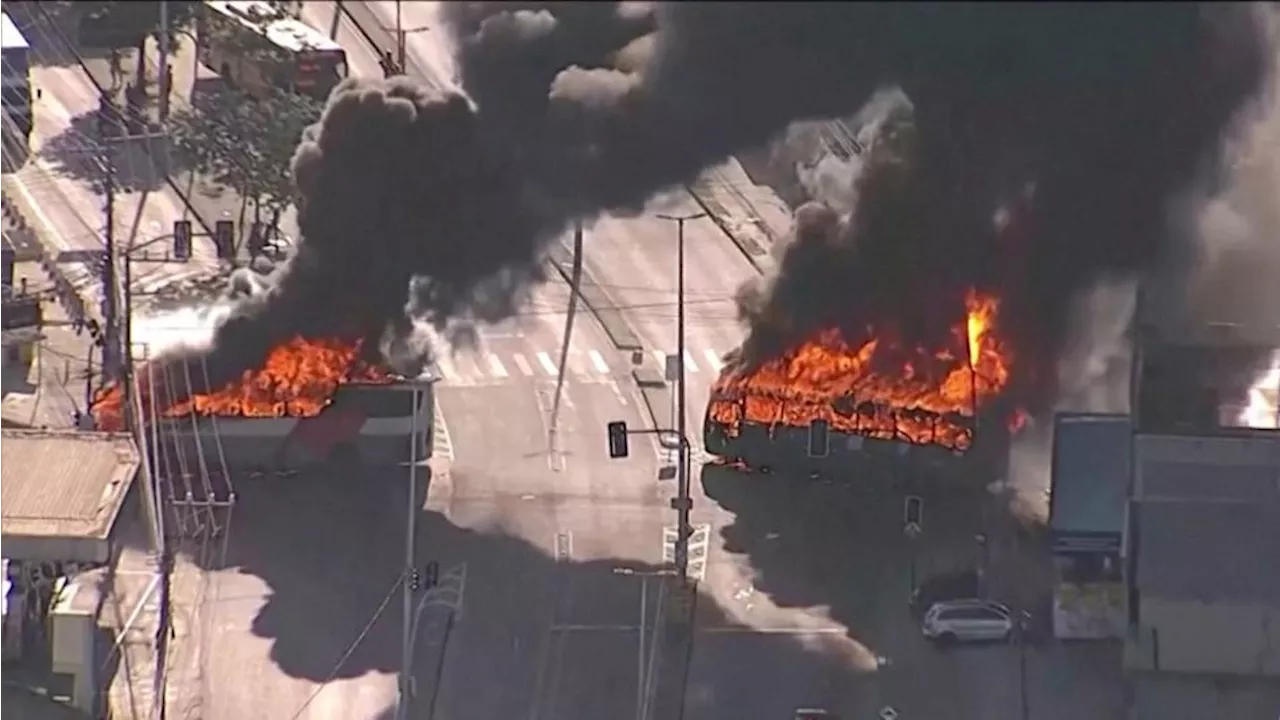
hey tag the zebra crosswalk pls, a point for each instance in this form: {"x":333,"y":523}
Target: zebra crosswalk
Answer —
{"x":489,"y":367}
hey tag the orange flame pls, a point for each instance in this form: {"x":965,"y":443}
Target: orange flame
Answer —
{"x":298,"y":379}
{"x":827,"y":378}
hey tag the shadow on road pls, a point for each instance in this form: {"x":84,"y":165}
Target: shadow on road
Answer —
{"x":80,"y":153}
{"x":311,"y":558}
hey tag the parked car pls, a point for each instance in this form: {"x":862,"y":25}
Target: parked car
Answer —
{"x":968,"y":620}
{"x":942,"y":587}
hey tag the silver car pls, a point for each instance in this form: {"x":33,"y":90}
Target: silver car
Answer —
{"x":969,"y":620}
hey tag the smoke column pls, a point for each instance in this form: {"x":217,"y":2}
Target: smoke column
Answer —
{"x":1083,"y":123}
{"x":1088,"y":119}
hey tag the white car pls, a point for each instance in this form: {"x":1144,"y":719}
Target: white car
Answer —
{"x":968,"y":620}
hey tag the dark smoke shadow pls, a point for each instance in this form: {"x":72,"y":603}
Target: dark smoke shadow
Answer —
{"x":316,"y":554}
{"x":80,"y":153}
{"x":839,"y":543}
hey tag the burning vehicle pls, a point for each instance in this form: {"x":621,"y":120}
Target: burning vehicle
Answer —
{"x":310,"y":401}
{"x":785,"y":411}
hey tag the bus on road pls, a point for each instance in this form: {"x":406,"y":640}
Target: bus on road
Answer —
{"x":260,"y":49}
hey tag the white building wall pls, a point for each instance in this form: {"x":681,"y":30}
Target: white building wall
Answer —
{"x":1217,"y":638}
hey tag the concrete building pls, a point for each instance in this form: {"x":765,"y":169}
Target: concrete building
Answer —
{"x":1203,"y":541}
{"x":61,"y":495}
{"x":1087,"y":504}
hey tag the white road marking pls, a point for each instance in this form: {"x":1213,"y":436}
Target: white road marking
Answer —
{"x":713,"y":358}
{"x":447,"y":370}
{"x":545,"y":361}
{"x":521,"y":364}
{"x":495,"y":366}
{"x":661,"y":356}
{"x":689,"y":364}
{"x":598,"y":361}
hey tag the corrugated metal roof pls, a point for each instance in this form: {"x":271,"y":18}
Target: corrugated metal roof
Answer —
{"x":1092,"y":456}
{"x":1208,"y":551}
{"x":64,"y":483}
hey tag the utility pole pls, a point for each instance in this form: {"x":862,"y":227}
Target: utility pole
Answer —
{"x":553,"y":426}
{"x":410,"y":545}
{"x":400,"y":52}
{"x":162,"y":80}
{"x":683,"y":503}
{"x":107,"y":127}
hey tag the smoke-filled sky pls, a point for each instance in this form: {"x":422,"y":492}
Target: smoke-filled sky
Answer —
{"x":1095,"y":116}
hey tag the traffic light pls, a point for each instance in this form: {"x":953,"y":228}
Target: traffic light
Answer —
{"x":433,"y":574}
{"x":415,"y":580}
{"x":182,"y":240}
{"x":913,"y":511}
{"x":819,"y":440}
{"x":224,"y":239}
{"x":618,"y":440}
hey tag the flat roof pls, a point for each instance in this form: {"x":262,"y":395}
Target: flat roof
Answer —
{"x":64,"y":483}
{"x":1090,"y":477}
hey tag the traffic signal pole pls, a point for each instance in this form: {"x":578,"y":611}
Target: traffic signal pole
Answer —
{"x":683,"y":503}
{"x":410,"y":564}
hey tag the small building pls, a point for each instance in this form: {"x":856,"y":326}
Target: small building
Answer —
{"x":1203,"y":537}
{"x":1087,"y":513}
{"x":61,"y":495}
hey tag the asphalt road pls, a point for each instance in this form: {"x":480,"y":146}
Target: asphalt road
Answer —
{"x":60,"y":187}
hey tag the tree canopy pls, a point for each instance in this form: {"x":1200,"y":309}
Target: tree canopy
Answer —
{"x":245,"y":143}
{"x":121,"y":24}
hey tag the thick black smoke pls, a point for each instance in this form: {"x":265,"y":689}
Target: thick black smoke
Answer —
{"x":1098,"y":113}
{"x":1083,"y":121}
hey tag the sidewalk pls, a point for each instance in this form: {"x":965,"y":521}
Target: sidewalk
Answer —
{"x":45,"y":392}
{"x":751,"y":215}
{"x":130,"y":693}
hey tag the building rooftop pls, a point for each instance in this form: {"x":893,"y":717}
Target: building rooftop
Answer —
{"x":1091,"y":463}
{"x":63,"y":483}
{"x":1207,"y":551}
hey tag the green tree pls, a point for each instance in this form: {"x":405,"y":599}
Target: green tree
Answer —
{"x":121,"y":24}
{"x":246,"y":144}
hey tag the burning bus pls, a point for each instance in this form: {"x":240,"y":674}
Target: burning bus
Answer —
{"x":310,"y":401}
{"x":830,"y":403}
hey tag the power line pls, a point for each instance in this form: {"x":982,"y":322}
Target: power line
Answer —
{"x":351,"y":648}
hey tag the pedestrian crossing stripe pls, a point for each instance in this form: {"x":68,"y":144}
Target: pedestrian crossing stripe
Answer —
{"x":441,"y":443}
{"x":699,"y":548}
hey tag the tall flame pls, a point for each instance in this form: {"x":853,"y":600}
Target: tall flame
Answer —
{"x":930,"y":399}
{"x":298,"y":379}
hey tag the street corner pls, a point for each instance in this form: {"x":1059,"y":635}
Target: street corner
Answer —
{"x":440,"y":485}
{"x":699,"y":549}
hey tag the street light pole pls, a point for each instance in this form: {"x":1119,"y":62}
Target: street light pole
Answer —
{"x":683,"y":502}
{"x":399,"y":37}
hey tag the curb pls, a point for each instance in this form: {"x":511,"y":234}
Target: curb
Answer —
{"x":597,"y":301}
{"x":749,"y":248}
